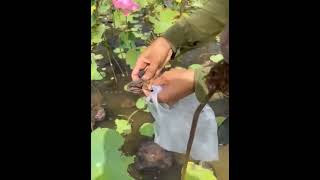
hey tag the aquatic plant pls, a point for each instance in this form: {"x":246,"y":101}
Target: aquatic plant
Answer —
{"x":147,"y":129}
{"x":107,"y":161}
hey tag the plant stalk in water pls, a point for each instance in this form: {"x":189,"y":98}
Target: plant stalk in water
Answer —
{"x":110,"y":62}
{"x":131,"y":115}
{"x":193,"y":132}
{"x":217,"y":81}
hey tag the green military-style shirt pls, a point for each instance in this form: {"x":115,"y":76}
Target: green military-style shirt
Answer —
{"x":202,"y":25}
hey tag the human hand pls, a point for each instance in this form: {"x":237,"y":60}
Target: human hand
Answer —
{"x":176,"y":84}
{"x":152,"y":59}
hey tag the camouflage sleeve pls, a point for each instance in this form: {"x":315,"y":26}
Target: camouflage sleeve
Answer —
{"x":204,"y":23}
{"x":201,"y":89}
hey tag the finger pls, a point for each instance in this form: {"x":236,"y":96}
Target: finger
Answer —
{"x":147,"y":61}
{"x":146,"y":92}
{"x":160,"y":81}
{"x":158,"y":73}
{"x":149,"y":85}
{"x":140,"y":64}
{"x":150,"y":71}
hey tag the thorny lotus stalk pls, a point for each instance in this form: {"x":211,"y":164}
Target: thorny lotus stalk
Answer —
{"x":217,"y":81}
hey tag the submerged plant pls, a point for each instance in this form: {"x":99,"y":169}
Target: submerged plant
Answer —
{"x":147,"y":129}
{"x":196,"y":172}
{"x":123,"y":126}
{"x":141,"y":104}
{"x":107,"y":162}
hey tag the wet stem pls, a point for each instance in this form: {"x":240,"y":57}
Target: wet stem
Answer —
{"x":109,"y":58}
{"x":131,"y":115}
{"x":182,"y":7}
{"x":127,"y":29}
{"x":129,"y":118}
{"x":192,"y":133}
{"x":112,"y":31}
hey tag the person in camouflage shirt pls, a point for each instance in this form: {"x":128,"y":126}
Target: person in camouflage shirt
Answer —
{"x":187,"y":33}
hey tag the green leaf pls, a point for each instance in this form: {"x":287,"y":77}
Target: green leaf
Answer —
{"x":140,"y":104}
{"x":196,"y":172}
{"x":142,"y":3}
{"x":95,"y":75}
{"x":147,"y":129}
{"x":144,"y":38}
{"x":136,"y":14}
{"x":117,"y":50}
{"x":198,"y":3}
{"x":161,"y":27}
{"x":153,"y":20}
{"x":132,"y":56}
{"x":168,"y":15}
{"x":93,"y":20}
{"x":103,"y":74}
{"x":127,"y":40}
{"x":125,"y":88}
{"x":107,"y":162}
{"x":96,"y":33}
{"x":104,"y":7}
{"x":134,"y":29}
{"x":130,"y":19}
{"x":163,"y":20}
{"x":122,"y":55}
{"x":220,"y":120}
{"x":137,"y":26}
{"x":123,"y":126}
{"x":216,"y":58}
{"x":158,"y":8}
{"x":93,"y":2}
{"x":138,"y":34}
{"x":151,"y":2}
{"x":93,"y":8}
{"x":195,"y":66}
{"x":134,"y":21}
{"x":120,"y":20}
{"x":98,"y":57}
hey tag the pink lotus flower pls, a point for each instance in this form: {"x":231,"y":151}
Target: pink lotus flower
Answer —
{"x":126,"y":6}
